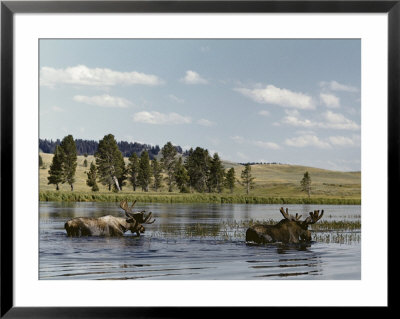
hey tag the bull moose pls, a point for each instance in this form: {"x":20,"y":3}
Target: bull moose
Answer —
{"x":290,"y":230}
{"x":109,"y":225}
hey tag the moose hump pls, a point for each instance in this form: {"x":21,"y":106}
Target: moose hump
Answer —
{"x":290,"y":230}
{"x":110,"y":225}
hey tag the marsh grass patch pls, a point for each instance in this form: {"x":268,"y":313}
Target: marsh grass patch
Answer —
{"x":341,"y":232}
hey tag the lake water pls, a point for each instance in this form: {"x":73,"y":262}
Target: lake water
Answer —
{"x":195,"y":241}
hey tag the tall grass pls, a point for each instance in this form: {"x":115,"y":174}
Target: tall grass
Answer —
{"x":187,"y":198}
{"x":341,"y":232}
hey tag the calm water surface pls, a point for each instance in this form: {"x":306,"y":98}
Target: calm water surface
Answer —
{"x":195,"y":241}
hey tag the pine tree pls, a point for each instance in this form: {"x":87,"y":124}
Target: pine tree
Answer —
{"x":92,"y":176}
{"x":56,"y":172}
{"x":70,"y":160}
{"x":230,"y":179}
{"x":247,"y":179}
{"x":109,"y":161}
{"x":181,"y":176}
{"x":198,"y":168}
{"x":85,"y":163}
{"x":124,"y":174}
{"x":156,"y":170}
{"x":144,"y":174}
{"x":168,"y":161}
{"x":40,"y":161}
{"x":306,"y":184}
{"x":217,"y":173}
{"x":133,"y":168}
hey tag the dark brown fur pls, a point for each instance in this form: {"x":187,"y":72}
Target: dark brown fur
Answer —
{"x":285,"y":231}
{"x":289,"y":230}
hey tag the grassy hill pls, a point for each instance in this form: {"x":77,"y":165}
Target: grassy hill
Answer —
{"x":272,"y":181}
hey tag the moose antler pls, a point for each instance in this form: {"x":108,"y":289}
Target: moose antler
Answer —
{"x":128,"y":211}
{"x":288,"y":216}
{"x":314,"y":217}
{"x":139,"y":216}
{"x":147,"y":219}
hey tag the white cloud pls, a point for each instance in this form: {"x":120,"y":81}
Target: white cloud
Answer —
{"x":282,"y":97}
{"x":305,"y":132}
{"x":345,"y":141}
{"x":330,"y":120}
{"x":104,"y":100}
{"x":339,"y":121}
{"x":311,"y":140}
{"x":341,"y":140}
{"x":101,"y":77}
{"x":330,"y":100}
{"x":205,"y":122}
{"x":57,"y":109}
{"x":261,"y":144}
{"x":193,"y":77}
{"x":176,"y":99}
{"x":293,"y":118}
{"x":267,"y":145}
{"x":154,"y":117}
{"x":238,"y":139}
{"x":306,"y":141}
{"x":264,"y":113}
{"x":336,"y":86}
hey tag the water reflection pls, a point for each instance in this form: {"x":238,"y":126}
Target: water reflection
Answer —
{"x":299,"y":261}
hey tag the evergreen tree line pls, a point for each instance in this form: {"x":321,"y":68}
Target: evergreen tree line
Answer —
{"x":89,"y":147}
{"x":198,"y":171}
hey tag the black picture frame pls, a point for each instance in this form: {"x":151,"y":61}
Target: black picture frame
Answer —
{"x":9,"y":8}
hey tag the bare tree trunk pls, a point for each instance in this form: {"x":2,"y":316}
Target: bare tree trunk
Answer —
{"x":116,"y":183}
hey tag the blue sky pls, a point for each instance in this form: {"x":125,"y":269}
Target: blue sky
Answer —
{"x":251,"y":100}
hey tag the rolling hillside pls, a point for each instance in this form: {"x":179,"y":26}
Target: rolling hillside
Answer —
{"x":271,"y":180}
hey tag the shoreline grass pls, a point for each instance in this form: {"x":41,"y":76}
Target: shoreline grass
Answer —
{"x":57,"y":196}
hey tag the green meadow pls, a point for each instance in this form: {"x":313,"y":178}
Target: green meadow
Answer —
{"x":274,"y":184}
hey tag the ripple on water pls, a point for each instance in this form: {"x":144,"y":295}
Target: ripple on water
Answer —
{"x":161,"y":254}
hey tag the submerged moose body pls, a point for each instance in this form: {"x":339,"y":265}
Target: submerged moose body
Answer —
{"x":109,"y":225}
{"x":290,"y":230}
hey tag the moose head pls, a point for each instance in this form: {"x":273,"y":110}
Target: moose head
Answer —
{"x":136,"y":219}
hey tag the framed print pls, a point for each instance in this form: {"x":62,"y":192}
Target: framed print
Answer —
{"x":164,"y":155}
